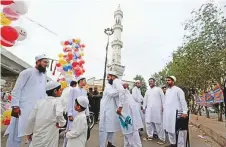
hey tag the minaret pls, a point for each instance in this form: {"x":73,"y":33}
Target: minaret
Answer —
{"x":117,"y":44}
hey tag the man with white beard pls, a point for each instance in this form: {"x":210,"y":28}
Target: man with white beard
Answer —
{"x":136,"y":93}
{"x":174,"y":100}
{"x":135,"y":114}
{"x":29,"y":88}
{"x":153,"y":105}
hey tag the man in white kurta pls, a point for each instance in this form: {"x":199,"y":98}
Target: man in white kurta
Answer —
{"x":174,"y":100}
{"x":29,"y":87}
{"x":42,"y":125}
{"x":134,"y":114}
{"x":136,"y":93}
{"x":153,"y":105}
{"x":108,"y":123}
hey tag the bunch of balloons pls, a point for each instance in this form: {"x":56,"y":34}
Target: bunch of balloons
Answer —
{"x":11,"y":12}
{"x":70,"y":63}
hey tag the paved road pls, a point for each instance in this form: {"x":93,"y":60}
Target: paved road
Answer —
{"x":93,"y":141}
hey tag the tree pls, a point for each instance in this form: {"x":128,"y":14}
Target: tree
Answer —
{"x":201,"y":60}
{"x":143,"y":87}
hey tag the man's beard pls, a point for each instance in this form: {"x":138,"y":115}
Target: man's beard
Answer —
{"x":41,"y":69}
{"x":110,"y":81}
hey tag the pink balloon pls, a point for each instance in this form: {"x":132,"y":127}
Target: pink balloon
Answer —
{"x":10,"y":14}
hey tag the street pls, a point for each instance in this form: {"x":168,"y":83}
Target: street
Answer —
{"x":195,"y":140}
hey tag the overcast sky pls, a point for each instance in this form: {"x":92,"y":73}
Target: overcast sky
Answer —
{"x":152,"y":31}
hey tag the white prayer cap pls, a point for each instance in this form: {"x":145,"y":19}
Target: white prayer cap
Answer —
{"x":39,"y":57}
{"x":173,"y":78}
{"x":83,"y":101}
{"x":80,"y":78}
{"x":112,"y":73}
{"x":137,"y":81}
{"x":51,"y":85}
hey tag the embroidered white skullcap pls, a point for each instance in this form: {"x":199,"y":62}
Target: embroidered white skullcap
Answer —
{"x":113,"y":73}
{"x":51,"y":85}
{"x":137,"y":81}
{"x":173,"y":78}
{"x":39,"y":57}
{"x":83,"y":101}
{"x":80,"y":78}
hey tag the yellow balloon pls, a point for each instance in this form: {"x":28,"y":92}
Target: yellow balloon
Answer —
{"x":62,"y":61}
{"x":69,"y":72}
{"x":82,"y":53}
{"x":60,"y":55}
{"x":77,"y":40}
{"x":4,"y":20}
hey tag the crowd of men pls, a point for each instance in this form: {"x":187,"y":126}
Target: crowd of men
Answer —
{"x":40,"y":108}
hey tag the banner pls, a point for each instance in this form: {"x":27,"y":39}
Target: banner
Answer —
{"x":218,"y":96}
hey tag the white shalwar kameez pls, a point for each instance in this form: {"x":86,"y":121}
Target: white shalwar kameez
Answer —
{"x":122,"y":101}
{"x":73,"y":95}
{"x":136,"y":93}
{"x":174,"y":100}
{"x":42,"y":123}
{"x":153,"y":104}
{"x":29,"y":87}
{"x":77,"y":136}
{"x":108,"y":123}
{"x":136,"y":124}
{"x":65,"y":97}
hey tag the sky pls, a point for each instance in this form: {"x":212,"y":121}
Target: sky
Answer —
{"x":152,"y":30}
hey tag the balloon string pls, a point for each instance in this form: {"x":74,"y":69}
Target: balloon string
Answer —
{"x":41,"y":26}
{"x":51,"y":65}
{"x":54,"y":71}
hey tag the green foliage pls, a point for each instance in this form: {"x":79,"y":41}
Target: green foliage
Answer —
{"x":143,"y":87}
{"x":201,"y":59}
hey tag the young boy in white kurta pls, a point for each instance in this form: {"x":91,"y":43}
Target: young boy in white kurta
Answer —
{"x":77,"y":135}
{"x":44,"y":121}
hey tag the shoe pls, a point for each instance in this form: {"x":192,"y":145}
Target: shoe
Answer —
{"x":161,"y":142}
{"x":149,"y":138}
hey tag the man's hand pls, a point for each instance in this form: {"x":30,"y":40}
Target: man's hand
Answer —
{"x":70,"y":118}
{"x":29,"y":137}
{"x":119,"y":110}
{"x":57,"y":125}
{"x":16,"y":112}
{"x":184,"y":115}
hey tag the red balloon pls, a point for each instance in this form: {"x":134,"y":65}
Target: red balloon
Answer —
{"x":83,"y":70}
{"x":83,"y":46}
{"x":66,"y":43}
{"x":6,"y":2}
{"x":7,"y":44}
{"x":74,"y":64}
{"x":58,"y":65}
{"x":9,"y":33}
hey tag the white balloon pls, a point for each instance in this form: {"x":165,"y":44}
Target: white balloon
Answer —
{"x":22,"y":33}
{"x":20,"y":7}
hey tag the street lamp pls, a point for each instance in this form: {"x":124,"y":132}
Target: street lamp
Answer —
{"x":108,"y":32}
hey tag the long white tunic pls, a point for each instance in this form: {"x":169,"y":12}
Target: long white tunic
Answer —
{"x":108,"y":117}
{"x":174,"y":100}
{"x":137,"y":121}
{"x":65,"y":97}
{"x":74,"y":94}
{"x":136,"y":93}
{"x":42,"y":122}
{"x":29,"y":87}
{"x":123,"y":101}
{"x":153,"y":102}
{"x":77,"y":136}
